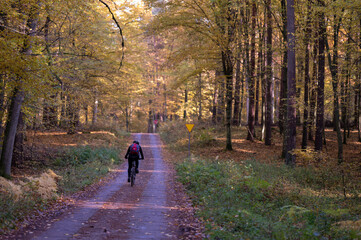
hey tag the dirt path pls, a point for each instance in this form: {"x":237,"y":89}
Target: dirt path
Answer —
{"x":119,"y":211}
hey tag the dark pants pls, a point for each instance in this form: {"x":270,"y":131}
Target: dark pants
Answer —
{"x":130,"y":160}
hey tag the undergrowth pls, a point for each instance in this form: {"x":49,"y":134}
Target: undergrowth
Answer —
{"x":251,"y":200}
{"x":175,"y":134}
{"x":81,"y":166}
{"x":75,"y":168}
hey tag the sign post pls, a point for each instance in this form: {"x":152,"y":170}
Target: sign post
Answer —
{"x":189,"y":127}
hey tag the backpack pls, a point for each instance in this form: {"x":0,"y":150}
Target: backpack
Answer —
{"x":134,"y":150}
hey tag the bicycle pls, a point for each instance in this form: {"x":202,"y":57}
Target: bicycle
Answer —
{"x":132,"y":174}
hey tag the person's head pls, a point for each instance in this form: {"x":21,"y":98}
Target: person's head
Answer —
{"x":135,"y":141}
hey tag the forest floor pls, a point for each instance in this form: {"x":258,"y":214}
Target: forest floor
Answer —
{"x":116,"y":214}
{"x":155,"y":208}
{"x":246,"y":150}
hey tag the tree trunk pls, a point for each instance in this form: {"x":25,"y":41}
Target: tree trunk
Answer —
{"x":283,"y":101}
{"x":95,"y":109}
{"x":359,"y":109}
{"x":86,"y":114}
{"x":321,"y":82}
{"x":359,"y":91}
{"x":306,"y":78}
{"x":228,"y":70}
{"x":215,"y":99}
{"x":63,"y":107}
{"x":10,"y":132}
{"x":251,"y":78}
{"x":261,"y":74}
{"x":166,"y":105}
{"x":333,"y":63}
{"x":313,"y":89}
{"x":18,"y":155}
{"x":185,"y":103}
{"x":2,"y":102}
{"x":257,"y":101}
{"x":237,"y":91}
{"x":200,"y":96}
{"x":291,"y":85}
{"x":242,"y":98}
{"x":16,"y":102}
{"x":150,"y":117}
{"x":127,"y":119}
{"x":221,"y":102}
{"x":283,"y":98}
{"x":268,"y":113}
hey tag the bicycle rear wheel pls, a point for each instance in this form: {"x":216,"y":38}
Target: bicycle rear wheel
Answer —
{"x":132,"y":176}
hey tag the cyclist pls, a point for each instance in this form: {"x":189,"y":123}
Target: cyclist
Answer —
{"x":133,"y":155}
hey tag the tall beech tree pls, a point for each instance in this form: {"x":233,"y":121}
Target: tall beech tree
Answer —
{"x":334,"y":66}
{"x":306,"y":41}
{"x":251,"y":77}
{"x":291,"y":84}
{"x":17,"y":97}
{"x":321,"y":78}
{"x":268,"y":113}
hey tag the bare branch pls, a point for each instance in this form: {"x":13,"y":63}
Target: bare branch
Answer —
{"x":120,"y":30}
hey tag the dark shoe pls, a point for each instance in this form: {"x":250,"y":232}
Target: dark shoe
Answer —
{"x":128,"y":179}
{"x":136,"y":171}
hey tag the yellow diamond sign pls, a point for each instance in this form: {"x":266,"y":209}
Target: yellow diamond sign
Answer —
{"x":189,"y":127}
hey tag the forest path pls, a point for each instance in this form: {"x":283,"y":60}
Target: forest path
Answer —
{"x":119,"y":211}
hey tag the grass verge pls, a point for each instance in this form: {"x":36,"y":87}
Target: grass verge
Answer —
{"x":251,"y":200}
{"x":82,"y":166}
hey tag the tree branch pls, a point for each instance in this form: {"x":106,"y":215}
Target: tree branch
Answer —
{"x":120,"y":29}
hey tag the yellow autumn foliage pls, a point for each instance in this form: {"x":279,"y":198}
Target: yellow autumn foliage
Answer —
{"x":9,"y":188}
{"x":350,"y":225}
{"x":45,"y":185}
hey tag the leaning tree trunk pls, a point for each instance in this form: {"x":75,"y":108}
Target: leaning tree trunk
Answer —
{"x":321,"y":82}
{"x":291,"y":85}
{"x":2,"y":102}
{"x":18,"y":155}
{"x":16,"y":102}
{"x":10,"y":132}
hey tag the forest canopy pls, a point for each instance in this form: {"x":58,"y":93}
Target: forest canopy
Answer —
{"x":135,"y":64}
